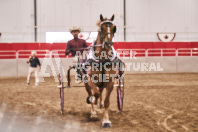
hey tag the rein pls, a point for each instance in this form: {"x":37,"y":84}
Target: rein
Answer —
{"x":98,"y":45}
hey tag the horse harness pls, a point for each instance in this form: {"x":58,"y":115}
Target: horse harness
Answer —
{"x":91,"y":59}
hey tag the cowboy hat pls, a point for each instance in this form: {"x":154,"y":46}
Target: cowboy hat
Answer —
{"x":75,"y":28}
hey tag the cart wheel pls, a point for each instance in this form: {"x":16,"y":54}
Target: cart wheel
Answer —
{"x":61,"y":94}
{"x":68,"y":77}
{"x":120,"y":93}
{"x":62,"y":99}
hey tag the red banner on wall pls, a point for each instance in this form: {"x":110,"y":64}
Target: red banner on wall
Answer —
{"x":117,"y":45}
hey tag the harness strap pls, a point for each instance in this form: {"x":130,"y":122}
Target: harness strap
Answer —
{"x":106,"y":21}
{"x":102,"y":83}
{"x":91,"y":53}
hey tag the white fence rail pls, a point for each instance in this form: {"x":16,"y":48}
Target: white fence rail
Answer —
{"x":27,"y":53}
{"x":8,"y":54}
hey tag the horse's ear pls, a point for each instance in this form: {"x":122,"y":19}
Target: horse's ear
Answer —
{"x":112,"y":18}
{"x":101,"y":17}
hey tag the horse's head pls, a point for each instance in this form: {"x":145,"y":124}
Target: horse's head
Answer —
{"x":107,"y":30}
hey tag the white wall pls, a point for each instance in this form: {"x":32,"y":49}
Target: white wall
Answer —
{"x":147,"y":17}
{"x":60,"y":15}
{"x":16,"y":21}
{"x":181,"y":64}
{"x":144,"y":18}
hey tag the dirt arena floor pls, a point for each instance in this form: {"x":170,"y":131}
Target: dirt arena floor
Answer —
{"x":152,"y":103}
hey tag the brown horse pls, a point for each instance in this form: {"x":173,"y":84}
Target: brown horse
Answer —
{"x":102,"y":72}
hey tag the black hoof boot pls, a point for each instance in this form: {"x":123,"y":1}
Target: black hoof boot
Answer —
{"x":106,"y":125}
{"x":88,"y":100}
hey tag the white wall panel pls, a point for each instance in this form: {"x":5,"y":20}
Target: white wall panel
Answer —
{"x":63,"y":14}
{"x":147,"y":17}
{"x":16,"y":20}
{"x":22,"y":67}
{"x":168,"y":64}
{"x":187,"y":64}
{"x":144,"y":18}
{"x":131,"y":65}
{"x":8,"y":67}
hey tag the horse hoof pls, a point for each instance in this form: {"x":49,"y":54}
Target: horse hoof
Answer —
{"x":93,"y":116}
{"x":106,"y":125}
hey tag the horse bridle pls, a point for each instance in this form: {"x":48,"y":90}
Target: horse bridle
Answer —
{"x":102,"y":37}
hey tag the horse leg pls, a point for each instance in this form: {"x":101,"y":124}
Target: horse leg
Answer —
{"x":100,"y":104}
{"x":106,"y":122}
{"x":93,"y":112}
{"x":91,"y":99}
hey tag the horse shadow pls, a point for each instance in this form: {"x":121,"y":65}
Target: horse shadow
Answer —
{"x":87,"y":118}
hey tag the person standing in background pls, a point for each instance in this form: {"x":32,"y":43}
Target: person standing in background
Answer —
{"x":34,"y":62}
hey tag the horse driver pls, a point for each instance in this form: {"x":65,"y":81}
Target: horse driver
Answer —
{"x":75,"y":44}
